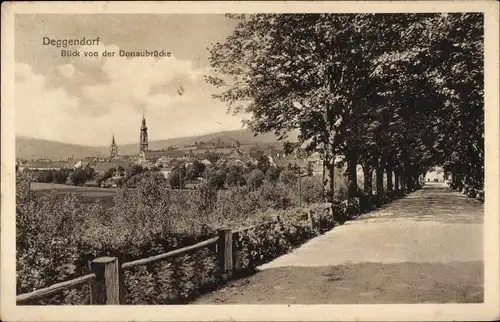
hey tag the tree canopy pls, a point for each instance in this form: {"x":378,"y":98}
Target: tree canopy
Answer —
{"x":393,"y":92}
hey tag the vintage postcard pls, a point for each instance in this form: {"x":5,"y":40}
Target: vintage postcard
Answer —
{"x":253,"y":161}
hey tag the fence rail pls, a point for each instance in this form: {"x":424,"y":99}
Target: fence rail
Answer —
{"x":106,"y":279}
{"x":255,"y":226}
{"x":170,"y":254}
{"x":56,"y":288}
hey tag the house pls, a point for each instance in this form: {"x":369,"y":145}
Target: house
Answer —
{"x":235,"y":157}
{"x":82,"y":164}
{"x":163,"y":162}
{"x":103,"y":167}
{"x":237,"y":154}
{"x":112,"y":182}
{"x":206,"y":162}
{"x":166,"y":172}
{"x":169,"y":154}
{"x":236,"y":162}
{"x":146,"y":157}
{"x":315,"y":163}
{"x":271,"y":162}
{"x":289,"y":162}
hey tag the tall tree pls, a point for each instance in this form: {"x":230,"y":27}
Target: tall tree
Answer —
{"x":375,"y":88}
{"x":305,"y":71}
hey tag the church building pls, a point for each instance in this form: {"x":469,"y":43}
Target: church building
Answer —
{"x":144,"y":136}
{"x":143,"y":142}
{"x":114,"y":149}
{"x":157,"y":157}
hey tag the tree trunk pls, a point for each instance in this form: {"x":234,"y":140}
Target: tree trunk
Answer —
{"x":367,"y":185}
{"x":459,"y":181}
{"x":396,"y":180}
{"x":389,"y":177}
{"x":402,"y":181}
{"x":328,"y":179}
{"x":409,"y":180}
{"x":352,"y":178}
{"x":379,"y":173}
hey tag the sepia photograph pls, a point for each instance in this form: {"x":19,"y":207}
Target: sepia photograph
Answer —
{"x":237,"y":157}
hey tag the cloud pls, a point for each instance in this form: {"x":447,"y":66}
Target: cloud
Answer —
{"x":134,"y":80}
{"x":115,"y":102}
{"x":66,"y":71}
{"x":39,"y":109}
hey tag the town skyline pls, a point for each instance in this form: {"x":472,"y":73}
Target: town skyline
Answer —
{"x":108,"y":139}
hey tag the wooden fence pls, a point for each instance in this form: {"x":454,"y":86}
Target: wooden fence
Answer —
{"x":105,"y":278}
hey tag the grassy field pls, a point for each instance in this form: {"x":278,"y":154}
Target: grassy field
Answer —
{"x":85,"y":194}
{"x":90,"y":194}
{"x":41,"y":186}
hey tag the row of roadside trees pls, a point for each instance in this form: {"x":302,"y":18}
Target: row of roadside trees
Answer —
{"x":396,"y":93}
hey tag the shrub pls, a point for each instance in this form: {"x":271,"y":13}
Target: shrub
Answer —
{"x":323,"y":213}
{"x":57,"y":239}
{"x":287,"y":177}
{"x":255,"y":179}
{"x":106,"y":175}
{"x":45,"y":176}
{"x":273,"y":174}
{"x":275,"y":195}
{"x":45,"y":244}
{"x":133,"y":171}
{"x":177,"y":178}
{"x":312,"y":190}
{"x":235,"y":176}
{"x":61,"y":176}
{"x":78,"y":177}
{"x":256,"y":246}
{"x":217,"y":179}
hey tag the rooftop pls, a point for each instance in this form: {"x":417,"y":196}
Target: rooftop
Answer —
{"x":105,"y":166}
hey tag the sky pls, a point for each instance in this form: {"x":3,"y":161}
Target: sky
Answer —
{"x":84,"y":100}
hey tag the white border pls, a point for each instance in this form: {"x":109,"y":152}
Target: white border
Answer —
{"x":401,"y":312}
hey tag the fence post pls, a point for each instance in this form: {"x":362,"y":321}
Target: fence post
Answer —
{"x":225,"y":249}
{"x":314,"y":226}
{"x":107,"y":283}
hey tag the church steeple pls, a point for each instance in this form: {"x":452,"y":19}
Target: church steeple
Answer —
{"x":144,"y":136}
{"x":114,"y":148}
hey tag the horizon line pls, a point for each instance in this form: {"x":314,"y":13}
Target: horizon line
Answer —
{"x":130,"y":143}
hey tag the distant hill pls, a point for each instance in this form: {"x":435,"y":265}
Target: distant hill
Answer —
{"x":245,"y":137}
{"x":30,"y":148}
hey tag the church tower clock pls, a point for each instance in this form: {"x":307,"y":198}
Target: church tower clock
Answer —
{"x":144,"y":136}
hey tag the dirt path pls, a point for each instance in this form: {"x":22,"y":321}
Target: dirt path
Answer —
{"x":425,"y":248}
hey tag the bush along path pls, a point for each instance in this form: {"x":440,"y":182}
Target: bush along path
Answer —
{"x":174,"y":281}
{"x":190,"y":277}
{"x":466,"y":189}
{"x":424,"y":248}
